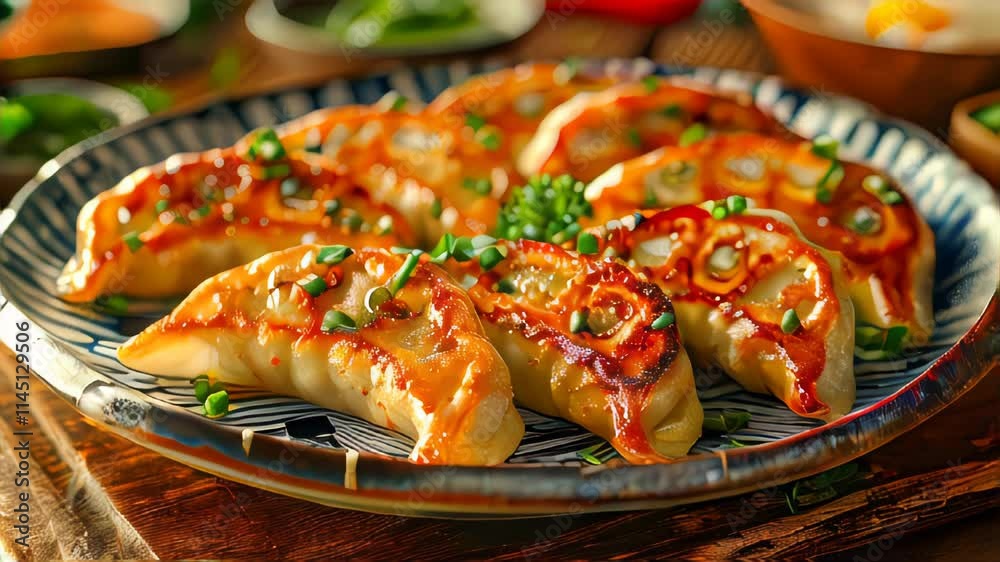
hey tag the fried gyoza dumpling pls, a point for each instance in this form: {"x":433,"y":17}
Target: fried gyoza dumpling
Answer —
{"x":753,"y":297}
{"x":512,"y":102}
{"x":588,"y":341}
{"x":840,"y":205}
{"x":166,"y":228}
{"x":373,"y":334}
{"x":592,"y":131}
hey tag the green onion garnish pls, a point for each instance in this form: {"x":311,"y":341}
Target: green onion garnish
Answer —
{"x":376,"y":297}
{"x":864,"y":221}
{"x":824,"y":195}
{"x":132,"y":240}
{"x":726,"y":421}
{"x":315,"y":286}
{"x":276,"y":171}
{"x":877,"y":186}
{"x":894,"y":339}
{"x":403,"y":275}
{"x":719,"y":212}
{"x":332,"y":255}
{"x":506,"y":286}
{"x":790,"y":321}
{"x":490,"y":257}
{"x":442,"y":250}
{"x":544,"y":209}
{"x":162,"y":205}
{"x":217,"y":404}
{"x":833,"y":176}
{"x":651,"y":83}
{"x":114,"y":303}
{"x":736,"y":204}
{"x":462,"y":249}
{"x":892,"y":198}
{"x":289,"y":187}
{"x":693,"y":134}
{"x":475,"y":122}
{"x":204,"y":210}
{"x":868,"y":337}
{"x":673,"y":111}
{"x":481,"y":186}
{"x":331,"y":207}
{"x":665,"y":320}
{"x":335,"y":320}
{"x":988,"y":117}
{"x":490,"y":141}
{"x":353,"y":220}
{"x":578,"y":321}
{"x":399,"y":103}
{"x":586,"y":243}
{"x":825,"y":146}
{"x":482,"y":240}
{"x":634,"y":138}
{"x":201,"y":392}
{"x":436,"y":209}
{"x":266,"y":146}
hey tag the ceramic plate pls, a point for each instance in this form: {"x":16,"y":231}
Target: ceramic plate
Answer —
{"x":295,"y":448}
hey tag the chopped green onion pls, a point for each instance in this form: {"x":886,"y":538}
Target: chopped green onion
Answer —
{"x":651,"y":83}
{"x":266,"y":145}
{"x":217,"y":404}
{"x":892,"y":198}
{"x":894,"y":339}
{"x":462,"y":249}
{"x":483,"y":240}
{"x":570,"y":66}
{"x":490,"y":257}
{"x":790,"y":321}
{"x":376,"y":297}
{"x":490,"y":141}
{"x":202,"y":388}
{"x":331,"y":207}
{"x":475,"y":122}
{"x":634,"y":138}
{"x":332,"y":255}
{"x":315,"y":286}
{"x":204,"y":210}
{"x":578,"y":321}
{"x":736,"y":204}
{"x":824,"y":195}
{"x":442,"y":250}
{"x":506,"y":286}
{"x":665,"y":320}
{"x":114,"y":303}
{"x":400,"y":250}
{"x":825,"y":146}
{"x":988,"y":117}
{"x":335,"y":320}
{"x":276,"y":171}
{"x":132,"y":240}
{"x":403,"y":275}
{"x":399,"y":103}
{"x":865,"y":221}
{"x":543,"y":208}
{"x":868,"y":337}
{"x":587,"y":243}
{"x":352,"y":221}
{"x":289,"y":187}
{"x":693,"y":134}
{"x":673,"y":111}
{"x":162,"y":205}
{"x":726,"y":421}
{"x":481,"y":186}
{"x":436,"y":209}
{"x":833,"y":176}
{"x":875,"y":184}
{"x":719,"y":212}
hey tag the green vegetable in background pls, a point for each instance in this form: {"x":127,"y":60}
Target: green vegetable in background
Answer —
{"x":363,"y":23}
{"x":43,"y":125}
{"x":988,"y":117}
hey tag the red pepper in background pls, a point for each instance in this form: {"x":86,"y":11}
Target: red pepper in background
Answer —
{"x":658,"y":12}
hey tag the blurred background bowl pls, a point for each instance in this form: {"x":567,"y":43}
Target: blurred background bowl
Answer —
{"x":823,"y":46}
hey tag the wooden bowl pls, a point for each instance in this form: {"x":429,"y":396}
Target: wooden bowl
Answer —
{"x":919,"y":86}
{"x":972,"y":141}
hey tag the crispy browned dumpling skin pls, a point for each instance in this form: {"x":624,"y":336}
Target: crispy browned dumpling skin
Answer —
{"x":732,"y":282}
{"x":419,"y":364}
{"x":619,"y":377}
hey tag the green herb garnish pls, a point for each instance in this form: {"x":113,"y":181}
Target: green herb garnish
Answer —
{"x":578,"y":321}
{"x":665,"y":320}
{"x":115,"y":303}
{"x":217,"y":404}
{"x":545,"y":209}
{"x":335,"y":320}
{"x":726,"y":421}
{"x":315,"y":286}
{"x":651,"y":83}
{"x":399,"y":280}
{"x":266,"y":146}
{"x":790,"y":321}
{"x":162,"y":205}
{"x":399,"y":103}
{"x":481,"y":186}
{"x":586,"y":243}
{"x":376,"y":297}
{"x":436,"y":209}
{"x":332,"y":255}
{"x":736,"y":204}
{"x":132,"y":240}
{"x":490,"y":141}
{"x":332,"y":207}
{"x":442,"y":250}
{"x":473,"y":121}
{"x":506,"y":286}
{"x":988,"y":117}
{"x":490,"y":257}
{"x":825,"y":146}
{"x":694,"y":133}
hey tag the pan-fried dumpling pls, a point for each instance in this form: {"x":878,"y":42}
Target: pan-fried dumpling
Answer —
{"x":753,"y":297}
{"x":844,"y":206}
{"x":588,"y":341}
{"x":167,"y":227}
{"x":373,"y":334}
{"x":592,"y":131}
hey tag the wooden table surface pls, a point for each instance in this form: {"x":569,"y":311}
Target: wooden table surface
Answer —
{"x":932,"y":494}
